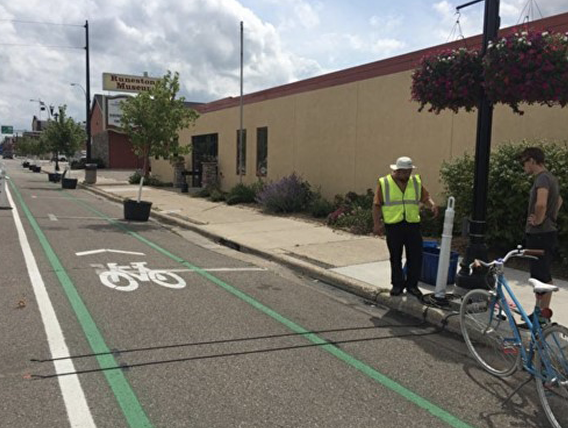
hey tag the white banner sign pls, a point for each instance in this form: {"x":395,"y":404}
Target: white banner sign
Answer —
{"x":114,"y":111}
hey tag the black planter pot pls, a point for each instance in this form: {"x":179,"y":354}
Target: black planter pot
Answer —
{"x":54,"y":177}
{"x":37,"y":169}
{"x":31,"y":167}
{"x":137,"y":211}
{"x":26,"y":164}
{"x":184,"y":188}
{"x":68,"y":183}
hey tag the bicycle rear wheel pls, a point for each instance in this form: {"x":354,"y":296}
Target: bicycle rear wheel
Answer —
{"x":553,"y":387}
{"x":488,"y":334}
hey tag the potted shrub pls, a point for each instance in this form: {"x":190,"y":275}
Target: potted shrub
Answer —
{"x":448,"y":80}
{"x":152,"y":120}
{"x":64,"y":136}
{"x":529,"y":67}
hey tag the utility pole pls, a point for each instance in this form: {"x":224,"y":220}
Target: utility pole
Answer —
{"x":241,"y":146}
{"x":477,"y":249}
{"x":88,"y":94}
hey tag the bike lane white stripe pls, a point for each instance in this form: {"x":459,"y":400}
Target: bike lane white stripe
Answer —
{"x":76,"y":405}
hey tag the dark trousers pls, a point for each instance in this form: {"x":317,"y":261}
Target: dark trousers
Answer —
{"x":408,"y":236}
{"x":547,"y":241}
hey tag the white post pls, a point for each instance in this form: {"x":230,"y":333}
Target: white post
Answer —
{"x":4,"y":203}
{"x":445,"y":247}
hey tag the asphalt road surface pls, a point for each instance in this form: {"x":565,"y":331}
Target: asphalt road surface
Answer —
{"x":109,"y":323}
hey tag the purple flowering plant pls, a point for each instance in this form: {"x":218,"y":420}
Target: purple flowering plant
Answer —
{"x":448,"y":80}
{"x":287,"y":195}
{"x":529,"y":67}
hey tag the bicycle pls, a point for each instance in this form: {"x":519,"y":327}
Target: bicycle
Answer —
{"x":493,"y":338}
{"x":116,"y":275}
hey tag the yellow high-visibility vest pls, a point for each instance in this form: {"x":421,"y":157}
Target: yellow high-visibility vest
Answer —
{"x":398,"y":206}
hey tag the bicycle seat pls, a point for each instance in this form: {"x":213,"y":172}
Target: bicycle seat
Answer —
{"x":541,"y":287}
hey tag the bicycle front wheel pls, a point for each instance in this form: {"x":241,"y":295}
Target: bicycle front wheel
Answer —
{"x":488,"y":334}
{"x":552,"y":384}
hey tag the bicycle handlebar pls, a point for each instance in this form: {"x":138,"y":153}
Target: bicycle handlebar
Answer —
{"x":518,"y":252}
{"x":536,"y":253}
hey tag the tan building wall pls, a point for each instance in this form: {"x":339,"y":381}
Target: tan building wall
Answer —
{"x":341,"y":138}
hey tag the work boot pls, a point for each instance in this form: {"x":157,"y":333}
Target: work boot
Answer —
{"x":396,"y":291}
{"x":415,"y":291}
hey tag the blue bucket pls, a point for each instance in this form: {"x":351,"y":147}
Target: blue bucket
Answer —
{"x":430,"y":260}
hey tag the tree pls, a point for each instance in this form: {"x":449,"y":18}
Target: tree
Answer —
{"x":153,"y":119}
{"x":63,"y":135}
{"x":23,"y":146}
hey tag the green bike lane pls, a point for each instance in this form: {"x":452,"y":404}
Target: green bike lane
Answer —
{"x":209,"y":355}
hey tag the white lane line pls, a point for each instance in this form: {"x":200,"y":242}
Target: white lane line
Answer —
{"x":73,"y":396}
{"x":52,"y":217}
{"x":106,"y":250}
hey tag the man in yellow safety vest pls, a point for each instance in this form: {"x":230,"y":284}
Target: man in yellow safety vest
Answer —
{"x":396,"y":211}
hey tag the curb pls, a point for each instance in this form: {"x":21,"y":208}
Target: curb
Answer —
{"x":444,"y":319}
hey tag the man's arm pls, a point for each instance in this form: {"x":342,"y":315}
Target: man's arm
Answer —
{"x":537,"y":217}
{"x":378,"y":225}
{"x":560,"y":201}
{"x":429,"y":202}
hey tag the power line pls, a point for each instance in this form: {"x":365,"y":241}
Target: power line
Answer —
{"x":42,"y":46}
{"x":39,"y":22}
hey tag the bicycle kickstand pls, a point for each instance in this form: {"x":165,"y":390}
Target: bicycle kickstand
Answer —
{"x":515,"y":391}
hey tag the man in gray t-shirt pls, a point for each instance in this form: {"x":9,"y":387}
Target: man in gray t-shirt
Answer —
{"x":537,"y":223}
{"x":541,"y":228}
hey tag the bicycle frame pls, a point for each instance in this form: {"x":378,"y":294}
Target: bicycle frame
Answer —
{"x":503,"y":289}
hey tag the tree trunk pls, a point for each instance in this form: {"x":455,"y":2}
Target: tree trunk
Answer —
{"x":146,"y":167}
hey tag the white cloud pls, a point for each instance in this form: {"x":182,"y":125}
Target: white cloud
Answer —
{"x":284,"y":41}
{"x":385,"y":24}
{"x":200,"y":39}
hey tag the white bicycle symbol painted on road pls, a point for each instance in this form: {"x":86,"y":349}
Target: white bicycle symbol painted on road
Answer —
{"x":126,"y":277}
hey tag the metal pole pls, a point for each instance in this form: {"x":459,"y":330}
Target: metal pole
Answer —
{"x":477,"y":249}
{"x":241,"y":147}
{"x":88,"y":94}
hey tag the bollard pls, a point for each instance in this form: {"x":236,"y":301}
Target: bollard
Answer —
{"x":445,"y":248}
{"x":4,"y":203}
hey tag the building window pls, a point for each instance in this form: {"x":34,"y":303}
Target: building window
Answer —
{"x":261,"y":151}
{"x":242,"y":153}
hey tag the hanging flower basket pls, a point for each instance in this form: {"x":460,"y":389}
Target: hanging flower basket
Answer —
{"x":448,"y":80}
{"x":529,"y":67}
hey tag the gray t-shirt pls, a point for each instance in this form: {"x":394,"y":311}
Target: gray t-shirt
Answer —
{"x":544,"y":180}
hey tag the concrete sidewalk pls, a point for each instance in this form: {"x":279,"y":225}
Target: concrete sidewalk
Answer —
{"x":355,"y":263}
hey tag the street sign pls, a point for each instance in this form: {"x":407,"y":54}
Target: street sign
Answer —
{"x":7,"y":130}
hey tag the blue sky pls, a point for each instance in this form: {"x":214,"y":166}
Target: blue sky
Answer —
{"x":285,"y":41}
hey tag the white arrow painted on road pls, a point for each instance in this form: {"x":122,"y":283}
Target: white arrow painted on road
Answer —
{"x":106,"y":250}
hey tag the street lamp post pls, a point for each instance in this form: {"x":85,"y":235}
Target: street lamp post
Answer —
{"x":90,"y":168}
{"x":477,"y":248}
{"x":87,"y":120}
{"x":88,"y":91}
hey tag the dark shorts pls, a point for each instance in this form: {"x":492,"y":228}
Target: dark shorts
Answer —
{"x":540,"y":269}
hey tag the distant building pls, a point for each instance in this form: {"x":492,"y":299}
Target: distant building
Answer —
{"x":109,"y":144}
{"x":38,"y":125}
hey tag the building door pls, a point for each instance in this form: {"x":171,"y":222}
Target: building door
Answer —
{"x":204,"y":149}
